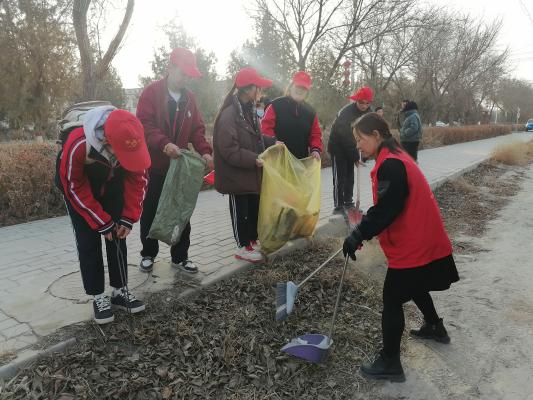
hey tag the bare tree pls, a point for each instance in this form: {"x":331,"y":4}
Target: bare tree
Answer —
{"x":345,"y":24}
{"x":381,"y":59}
{"x":304,"y":22}
{"x":452,"y":58}
{"x":526,"y":10}
{"x":95,"y":70}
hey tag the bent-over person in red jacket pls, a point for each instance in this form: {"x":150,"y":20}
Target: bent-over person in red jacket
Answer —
{"x":171,"y":120}
{"x":102,"y":173}
{"x":406,"y":219}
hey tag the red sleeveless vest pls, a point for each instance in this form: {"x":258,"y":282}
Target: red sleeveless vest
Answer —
{"x":417,"y":236}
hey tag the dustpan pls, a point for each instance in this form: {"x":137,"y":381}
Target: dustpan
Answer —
{"x":314,"y":347}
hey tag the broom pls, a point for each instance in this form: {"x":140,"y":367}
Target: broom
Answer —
{"x":286,"y":292}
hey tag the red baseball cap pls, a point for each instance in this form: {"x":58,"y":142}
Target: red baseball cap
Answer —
{"x":364,"y":94}
{"x":186,"y":61}
{"x":303,"y":79}
{"x":125,"y":134}
{"x":249,"y":76}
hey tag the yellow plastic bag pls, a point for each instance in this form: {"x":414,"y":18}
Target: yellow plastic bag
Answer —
{"x":290,"y":198}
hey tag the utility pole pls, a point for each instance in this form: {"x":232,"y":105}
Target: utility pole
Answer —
{"x":353,"y":48}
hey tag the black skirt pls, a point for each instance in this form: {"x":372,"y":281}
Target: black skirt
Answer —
{"x":435,"y":276}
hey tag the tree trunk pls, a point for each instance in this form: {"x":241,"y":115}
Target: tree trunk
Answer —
{"x":94,"y":71}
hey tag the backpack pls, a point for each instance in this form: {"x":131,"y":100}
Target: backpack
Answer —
{"x":73,"y":117}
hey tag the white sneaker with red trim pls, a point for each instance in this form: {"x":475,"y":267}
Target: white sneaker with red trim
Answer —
{"x":248,"y":253}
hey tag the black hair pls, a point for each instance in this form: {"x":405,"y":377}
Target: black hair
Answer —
{"x":228,"y":99}
{"x":411,"y":105}
{"x":371,"y":122}
{"x":378,"y":108}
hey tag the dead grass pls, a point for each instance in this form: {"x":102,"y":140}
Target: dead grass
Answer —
{"x":516,"y":153}
{"x":444,"y":136}
{"x":219,"y":346}
{"x":27,"y":190}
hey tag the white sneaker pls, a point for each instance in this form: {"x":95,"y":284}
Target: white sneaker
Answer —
{"x":248,"y":253}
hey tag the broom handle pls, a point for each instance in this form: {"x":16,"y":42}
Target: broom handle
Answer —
{"x":358,"y":195}
{"x":338,"y":300}
{"x":319,"y":268}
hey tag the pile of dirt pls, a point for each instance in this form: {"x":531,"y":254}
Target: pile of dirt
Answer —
{"x":470,"y":202}
{"x":222,"y":344}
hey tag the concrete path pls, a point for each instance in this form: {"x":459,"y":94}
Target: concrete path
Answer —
{"x":41,"y":287}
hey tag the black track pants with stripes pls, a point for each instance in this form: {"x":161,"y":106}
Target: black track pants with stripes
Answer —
{"x":89,"y":246}
{"x":343,"y":164}
{"x":244,"y":210}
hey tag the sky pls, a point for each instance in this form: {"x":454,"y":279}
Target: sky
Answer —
{"x":223,"y":25}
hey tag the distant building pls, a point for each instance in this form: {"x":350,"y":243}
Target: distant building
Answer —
{"x":131,"y":97}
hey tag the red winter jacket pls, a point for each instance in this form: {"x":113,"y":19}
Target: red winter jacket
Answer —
{"x":417,"y":236}
{"x":189,"y":127}
{"x":79,"y":189}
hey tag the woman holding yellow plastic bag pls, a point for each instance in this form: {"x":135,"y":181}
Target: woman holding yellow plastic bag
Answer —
{"x":237,"y":143}
{"x":293,"y":121}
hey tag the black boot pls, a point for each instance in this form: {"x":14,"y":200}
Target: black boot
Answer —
{"x":384,"y":367}
{"x":436,"y":332}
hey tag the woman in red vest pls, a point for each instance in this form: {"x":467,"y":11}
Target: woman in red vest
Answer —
{"x":407,"y":221}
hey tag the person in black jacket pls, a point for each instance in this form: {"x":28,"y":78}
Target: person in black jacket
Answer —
{"x":343,"y":150}
{"x":291,"y":120}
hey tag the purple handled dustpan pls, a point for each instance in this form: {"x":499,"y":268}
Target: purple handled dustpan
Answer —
{"x":314,"y":347}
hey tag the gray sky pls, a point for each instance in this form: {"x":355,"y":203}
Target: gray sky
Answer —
{"x":212,"y":22}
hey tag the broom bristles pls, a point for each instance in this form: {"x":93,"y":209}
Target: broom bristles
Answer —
{"x":281,"y":301}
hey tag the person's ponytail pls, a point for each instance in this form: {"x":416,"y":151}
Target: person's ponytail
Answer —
{"x":226,"y":103}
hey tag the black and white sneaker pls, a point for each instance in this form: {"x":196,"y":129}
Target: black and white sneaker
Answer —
{"x":127,"y":301}
{"x":102,"y":310}
{"x":186,"y":266}
{"x":147,"y":264}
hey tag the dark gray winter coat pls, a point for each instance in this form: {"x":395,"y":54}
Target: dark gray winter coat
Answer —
{"x":411,"y":130}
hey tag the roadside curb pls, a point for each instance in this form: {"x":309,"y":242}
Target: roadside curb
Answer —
{"x":11,"y":369}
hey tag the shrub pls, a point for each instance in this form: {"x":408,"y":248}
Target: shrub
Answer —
{"x":27,"y":190}
{"x":444,"y":136}
{"x":516,"y":153}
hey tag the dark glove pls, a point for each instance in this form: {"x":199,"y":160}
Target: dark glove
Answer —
{"x":352,"y":243}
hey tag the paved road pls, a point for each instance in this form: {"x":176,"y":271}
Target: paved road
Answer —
{"x":41,"y":288}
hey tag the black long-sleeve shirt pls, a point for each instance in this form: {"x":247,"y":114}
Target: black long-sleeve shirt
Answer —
{"x":392,"y":195}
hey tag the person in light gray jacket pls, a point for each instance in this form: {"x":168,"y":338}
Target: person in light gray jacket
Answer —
{"x":411,"y":130}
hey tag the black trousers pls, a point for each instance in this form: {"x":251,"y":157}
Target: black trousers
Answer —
{"x":392,"y":318}
{"x":343,"y":163}
{"x":89,"y":246}
{"x":180,"y":250}
{"x":411,"y":148}
{"x":244,"y":211}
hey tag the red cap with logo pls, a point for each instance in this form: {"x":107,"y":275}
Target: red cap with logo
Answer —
{"x":249,"y":76}
{"x":363,"y":94}
{"x":186,"y":61}
{"x":125,"y":134}
{"x":303,"y":79}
